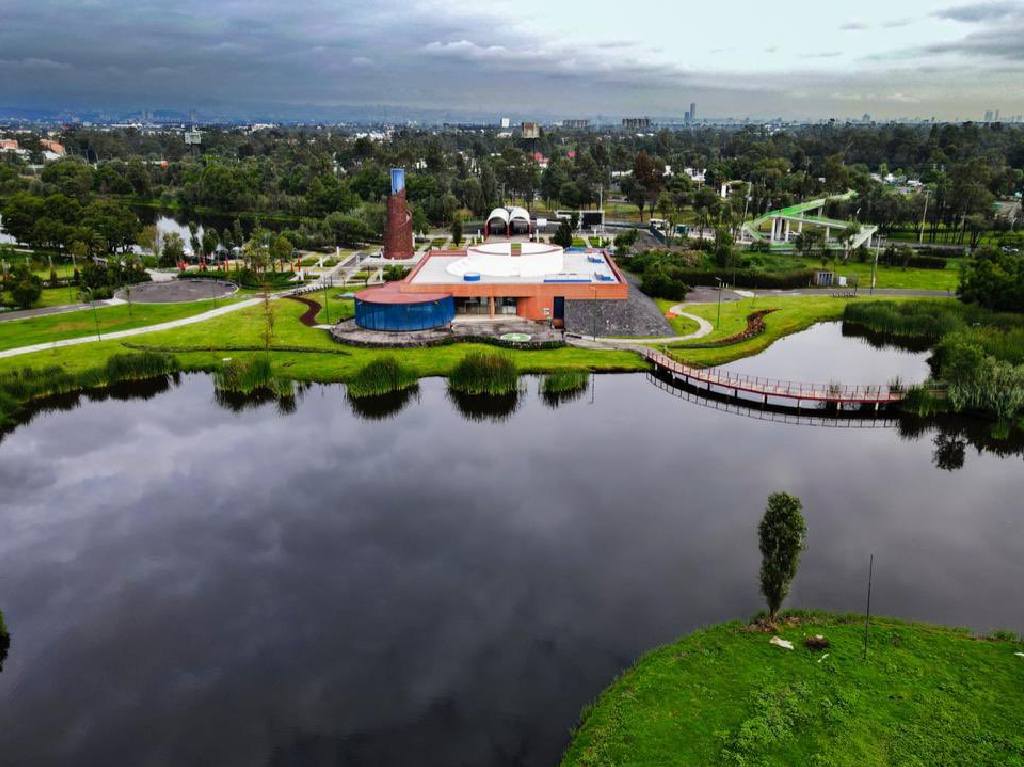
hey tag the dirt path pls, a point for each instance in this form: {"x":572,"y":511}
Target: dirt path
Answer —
{"x":308,"y":317}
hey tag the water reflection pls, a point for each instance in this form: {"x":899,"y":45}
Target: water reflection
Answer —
{"x":196,"y":585}
{"x":382,"y":407}
{"x":554,"y":399}
{"x":5,"y":643}
{"x":484,"y":407}
{"x":825,"y":353}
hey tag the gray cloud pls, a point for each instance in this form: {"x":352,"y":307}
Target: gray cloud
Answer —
{"x":853,"y":26}
{"x":315,"y":56}
{"x":980,"y":12}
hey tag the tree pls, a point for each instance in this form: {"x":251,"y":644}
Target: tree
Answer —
{"x":280,"y":251}
{"x":781,"y":538}
{"x":26,"y":290}
{"x":563,"y":236}
{"x":457,"y":231}
{"x":172,"y":250}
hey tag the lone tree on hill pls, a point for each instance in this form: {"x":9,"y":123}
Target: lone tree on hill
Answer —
{"x":781,"y":537}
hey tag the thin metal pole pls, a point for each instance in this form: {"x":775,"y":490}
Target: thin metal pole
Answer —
{"x":867,"y":613}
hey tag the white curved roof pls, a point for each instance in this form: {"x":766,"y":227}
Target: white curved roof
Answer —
{"x":499,"y":213}
{"x":519,"y":213}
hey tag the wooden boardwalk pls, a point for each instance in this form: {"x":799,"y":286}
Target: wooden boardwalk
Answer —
{"x":724,"y":381}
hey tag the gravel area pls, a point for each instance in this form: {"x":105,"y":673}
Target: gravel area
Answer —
{"x":638,"y":316}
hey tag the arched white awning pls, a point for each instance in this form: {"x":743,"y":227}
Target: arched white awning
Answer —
{"x":519,"y":214}
{"x":499,"y":213}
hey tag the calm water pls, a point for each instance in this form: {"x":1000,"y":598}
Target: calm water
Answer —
{"x":432,"y":582}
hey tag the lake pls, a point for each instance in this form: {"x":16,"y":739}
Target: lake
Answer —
{"x":192,"y":579}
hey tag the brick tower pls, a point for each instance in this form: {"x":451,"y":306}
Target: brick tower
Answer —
{"x":398,"y":242}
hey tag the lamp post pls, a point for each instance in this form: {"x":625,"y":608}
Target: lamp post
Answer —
{"x":95,"y":318}
{"x":327,"y":305}
{"x":720,"y":285}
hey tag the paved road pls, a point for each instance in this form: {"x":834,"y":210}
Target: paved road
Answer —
{"x":704,"y":295}
{"x":24,"y":314}
{"x":118,"y":334}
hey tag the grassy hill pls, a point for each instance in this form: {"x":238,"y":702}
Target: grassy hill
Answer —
{"x":926,"y":695}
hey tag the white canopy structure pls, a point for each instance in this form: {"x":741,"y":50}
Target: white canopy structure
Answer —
{"x":507,"y":221}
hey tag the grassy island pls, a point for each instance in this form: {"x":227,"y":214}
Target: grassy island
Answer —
{"x":926,"y":695}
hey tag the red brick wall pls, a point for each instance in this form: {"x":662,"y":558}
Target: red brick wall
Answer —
{"x":398,"y":231}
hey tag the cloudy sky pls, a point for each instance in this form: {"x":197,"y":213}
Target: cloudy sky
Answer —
{"x":549,"y":58}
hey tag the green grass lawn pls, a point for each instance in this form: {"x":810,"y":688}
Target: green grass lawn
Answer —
{"x":887,"y":276}
{"x":75,"y":324}
{"x":682,"y":326}
{"x":49,"y":297}
{"x":302,"y":353}
{"x":723,"y":696}
{"x":337,"y":308}
{"x":793,"y":313}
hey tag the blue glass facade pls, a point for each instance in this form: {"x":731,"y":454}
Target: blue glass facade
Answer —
{"x":396,"y":317}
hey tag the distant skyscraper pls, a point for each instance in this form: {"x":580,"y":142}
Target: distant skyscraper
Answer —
{"x":996,"y":116}
{"x":693,"y":110}
{"x":505,"y":123}
{"x":988,"y":116}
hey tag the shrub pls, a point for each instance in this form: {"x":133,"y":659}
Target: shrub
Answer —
{"x":249,"y":376}
{"x":570,"y":379}
{"x":27,"y":291}
{"x":484,"y":373}
{"x":381,"y":376}
{"x":131,"y":367}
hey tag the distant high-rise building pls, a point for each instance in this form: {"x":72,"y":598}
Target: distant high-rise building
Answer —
{"x":636,"y":123}
{"x":996,"y":116}
{"x":506,"y":123}
{"x":693,"y":111}
{"x":576,"y":124}
{"x":531,"y":130}
{"x":988,"y":116}
{"x":866,"y":118}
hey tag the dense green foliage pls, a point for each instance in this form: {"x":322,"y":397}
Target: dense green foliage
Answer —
{"x":253,"y":374}
{"x":20,"y":386}
{"x":138,"y":365}
{"x":781,"y":537}
{"x":484,"y":373}
{"x":724,"y":696}
{"x":995,"y":280}
{"x":381,"y":376}
{"x":978,"y":354}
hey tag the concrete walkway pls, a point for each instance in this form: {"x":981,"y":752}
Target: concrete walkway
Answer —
{"x":118,"y":334}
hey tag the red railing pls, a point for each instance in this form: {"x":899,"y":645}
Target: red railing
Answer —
{"x":774,"y":387}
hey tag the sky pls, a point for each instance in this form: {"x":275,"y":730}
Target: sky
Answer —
{"x":530,"y":58}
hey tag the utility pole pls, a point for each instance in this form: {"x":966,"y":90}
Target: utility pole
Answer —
{"x":720,"y":284}
{"x":874,"y":265}
{"x":867,"y":612}
{"x":924,"y":218}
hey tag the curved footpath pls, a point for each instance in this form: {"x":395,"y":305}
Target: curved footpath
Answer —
{"x":117,"y":334}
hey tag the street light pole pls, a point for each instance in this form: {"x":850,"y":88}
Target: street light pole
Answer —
{"x":720,"y":284}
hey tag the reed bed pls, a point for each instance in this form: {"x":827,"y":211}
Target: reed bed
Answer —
{"x":383,"y":375}
{"x":484,"y":373}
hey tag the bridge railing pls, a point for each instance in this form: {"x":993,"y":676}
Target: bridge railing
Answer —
{"x":777,"y":387}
